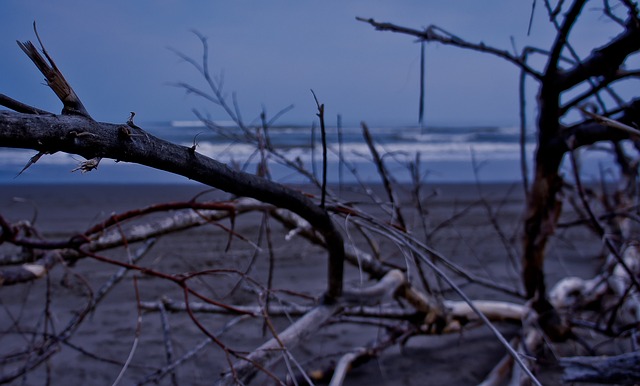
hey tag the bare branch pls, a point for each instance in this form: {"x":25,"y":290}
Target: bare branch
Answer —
{"x":19,"y":106}
{"x":604,"y":61}
{"x":60,"y":133}
{"x":384,"y":175}
{"x":55,"y":79}
{"x":436,"y":34}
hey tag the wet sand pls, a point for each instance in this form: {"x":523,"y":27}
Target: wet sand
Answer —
{"x":467,"y":235}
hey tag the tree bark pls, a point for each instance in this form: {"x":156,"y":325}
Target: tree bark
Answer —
{"x":79,"y":135}
{"x":620,"y":369}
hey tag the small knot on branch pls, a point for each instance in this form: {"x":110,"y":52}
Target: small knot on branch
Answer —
{"x":124,"y":132}
{"x":88,"y":165}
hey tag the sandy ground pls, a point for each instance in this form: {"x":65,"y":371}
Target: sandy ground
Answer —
{"x":105,"y":339}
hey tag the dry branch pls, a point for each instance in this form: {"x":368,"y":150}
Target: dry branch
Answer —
{"x":620,"y":369}
{"x":437,"y":34}
{"x":75,"y":132}
{"x":98,"y":238}
{"x":90,"y":139}
{"x":55,"y":80}
{"x":544,"y":198}
{"x":245,"y":369}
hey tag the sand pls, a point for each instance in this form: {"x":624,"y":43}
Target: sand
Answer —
{"x":104,"y":341}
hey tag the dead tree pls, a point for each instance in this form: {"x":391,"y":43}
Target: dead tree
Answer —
{"x":562,"y":72}
{"x":75,"y":132}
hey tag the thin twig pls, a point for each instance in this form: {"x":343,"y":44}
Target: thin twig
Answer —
{"x":384,"y":175}
{"x":168,"y":344}
{"x":323,"y":132}
{"x":434,"y":33}
{"x":138,"y":332}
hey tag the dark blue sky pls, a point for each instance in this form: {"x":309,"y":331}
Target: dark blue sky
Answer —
{"x":115,"y":54}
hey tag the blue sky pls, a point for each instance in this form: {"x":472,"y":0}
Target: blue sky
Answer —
{"x":115,"y":54}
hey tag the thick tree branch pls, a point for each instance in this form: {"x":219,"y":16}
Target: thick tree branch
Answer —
{"x":19,"y":106}
{"x":616,"y":369}
{"x":604,"y":61}
{"x":90,"y":139}
{"x":603,"y":129}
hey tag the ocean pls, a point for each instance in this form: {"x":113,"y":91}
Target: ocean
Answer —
{"x":461,"y":154}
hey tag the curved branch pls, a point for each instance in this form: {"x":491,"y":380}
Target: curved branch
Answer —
{"x":20,"y":107}
{"x":436,"y":34}
{"x":604,"y":61}
{"x":91,"y":139}
{"x":563,"y":34}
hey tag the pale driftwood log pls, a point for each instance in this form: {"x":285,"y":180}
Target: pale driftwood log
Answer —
{"x":458,"y":310}
{"x":51,"y":345}
{"x":492,"y":309}
{"x":620,"y":369}
{"x":272,"y":351}
{"x":460,"y":313}
{"x":556,"y":78}
{"x":178,"y":221}
{"x":343,"y":367}
{"x":244,"y":370}
{"x":384,"y":311}
{"x":81,"y":135}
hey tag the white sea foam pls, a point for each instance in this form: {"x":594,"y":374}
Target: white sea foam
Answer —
{"x":446,"y":151}
{"x":353,"y":152}
{"x":426,"y":138}
{"x":187,"y":124}
{"x":197,"y":123}
{"x":358,"y":152}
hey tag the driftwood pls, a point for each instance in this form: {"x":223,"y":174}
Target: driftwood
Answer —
{"x":619,"y":369}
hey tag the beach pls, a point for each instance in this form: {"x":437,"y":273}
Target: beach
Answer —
{"x":478,"y":227}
